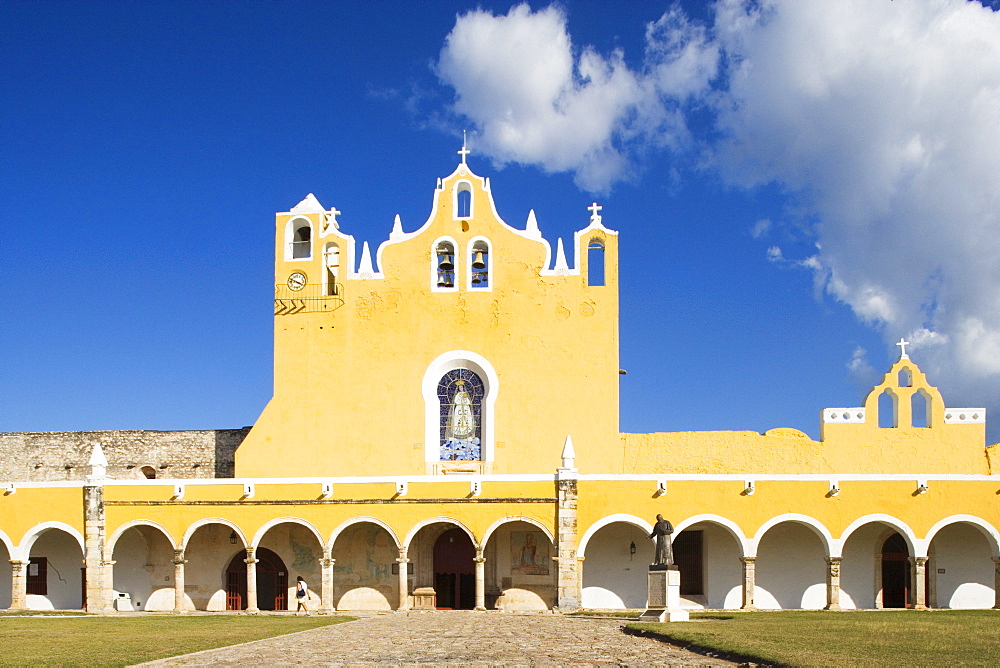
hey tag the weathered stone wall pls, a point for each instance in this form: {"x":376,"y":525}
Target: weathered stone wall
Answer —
{"x":64,"y":455}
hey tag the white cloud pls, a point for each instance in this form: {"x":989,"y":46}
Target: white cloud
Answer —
{"x":884,"y":119}
{"x":880,"y":119}
{"x":761,"y":228}
{"x":533,"y":100}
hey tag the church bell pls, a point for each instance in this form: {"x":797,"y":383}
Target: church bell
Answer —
{"x":446,"y":262}
{"x":479,"y":260}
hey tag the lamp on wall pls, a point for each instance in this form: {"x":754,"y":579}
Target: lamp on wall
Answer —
{"x":232,"y":538}
{"x":631,"y":549}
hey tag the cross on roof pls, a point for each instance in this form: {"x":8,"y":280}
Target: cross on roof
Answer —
{"x":593,"y":209}
{"x":902,"y":349}
{"x":465,"y":151}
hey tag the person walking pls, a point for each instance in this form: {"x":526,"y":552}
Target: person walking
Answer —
{"x":302,"y":596}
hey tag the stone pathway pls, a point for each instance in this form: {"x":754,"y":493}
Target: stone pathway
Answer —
{"x":454,"y":638}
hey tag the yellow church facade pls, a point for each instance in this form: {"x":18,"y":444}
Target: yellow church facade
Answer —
{"x":413,"y":456}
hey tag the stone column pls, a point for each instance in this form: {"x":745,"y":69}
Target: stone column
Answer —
{"x":98,"y":582}
{"x":251,"y":562}
{"x":404,"y":584}
{"x":996,"y":583}
{"x":326,"y":586}
{"x":919,"y":591}
{"x":748,"y":582}
{"x":833,"y":583}
{"x":19,"y":585}
{"x":567,"y":575}
{"x":180,"y":605}
{"x":480,"y":580}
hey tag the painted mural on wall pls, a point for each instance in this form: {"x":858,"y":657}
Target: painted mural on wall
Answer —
{"x":529,"y":553}
{"x":367,"y":558}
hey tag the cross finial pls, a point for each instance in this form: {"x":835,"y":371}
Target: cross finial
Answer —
{"x":902,"y":349}
{"x":332,"y":219}
{"x":465,"y":151}
{"x":593,"y":209}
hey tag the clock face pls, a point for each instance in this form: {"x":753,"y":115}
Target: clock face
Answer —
{"x":297,"y":281}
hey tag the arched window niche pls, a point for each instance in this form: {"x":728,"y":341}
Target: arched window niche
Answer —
{"x":595,"y":262}
{"x":331,"y":276}
{"x":920,"y":408}
{"x":444,"y":266}
{"x":298,"y":239}
{"x":905,"y":378}
{"x":459,"y":390}
{"x":463,"y":200}
{"x":888,"y":415}
{"x":479,"y":264}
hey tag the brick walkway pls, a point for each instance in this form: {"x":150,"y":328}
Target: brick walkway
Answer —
{"x":454,"y":638}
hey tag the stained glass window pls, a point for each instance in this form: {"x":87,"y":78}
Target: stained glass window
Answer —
{"x":460,"y":394}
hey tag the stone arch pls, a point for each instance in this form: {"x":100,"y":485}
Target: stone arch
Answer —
{"x":722,"y":545}
{"x":59,"y":552}
{"x":961,"y":572}
{"x":518,"y":572}
{"x":912,"y":542}
{"x":818,"y":527}
{"x":357,"y":520}
{"x":212,"y":520}
{"x":210,"y":545}
{"x":790,"y":570}
{"x":611,"y":519}
{"x":732,"y":527}
{"x":987,"y":529}
{"x":270,"y":524}
{"x":440,"y":520}
{"x":143,"y":569}
{"x":860,"y":548}
{"x":32,"y":535}
{"x":614,"y":577}
{"x":365,"y":552}
{"x":117,"y":533}
{"x":517,"y":518}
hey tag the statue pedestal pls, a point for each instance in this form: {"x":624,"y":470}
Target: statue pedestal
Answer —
{"x":664,"y":596}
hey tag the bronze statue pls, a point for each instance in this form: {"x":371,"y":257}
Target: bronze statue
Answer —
{"x":664,"y":547}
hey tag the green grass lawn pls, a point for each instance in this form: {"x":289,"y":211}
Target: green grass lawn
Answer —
{"x":120,"y":641}
{"x":850,"y":638}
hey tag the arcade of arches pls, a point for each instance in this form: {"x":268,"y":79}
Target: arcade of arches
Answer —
{"x":792,"y":564}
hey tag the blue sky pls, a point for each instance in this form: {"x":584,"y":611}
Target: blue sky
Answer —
{"x":797,"y":185}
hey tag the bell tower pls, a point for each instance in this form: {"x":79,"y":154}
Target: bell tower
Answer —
{"x":466,"y":345}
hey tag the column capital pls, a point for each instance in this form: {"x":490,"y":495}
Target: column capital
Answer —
{"x":251,"y":561}
{"x":327,"y":562}
{"x":17,"y":563}
{"x":479,"y":560}
{"x":749,"y":561}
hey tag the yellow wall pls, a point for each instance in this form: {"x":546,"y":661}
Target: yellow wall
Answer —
{"x":347,"y":390}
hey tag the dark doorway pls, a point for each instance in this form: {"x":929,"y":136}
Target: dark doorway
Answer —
{"x":272,"y":582}
{"x":455,"y":571}
{"x":895,"y":573}
{"x":688,"y":557}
